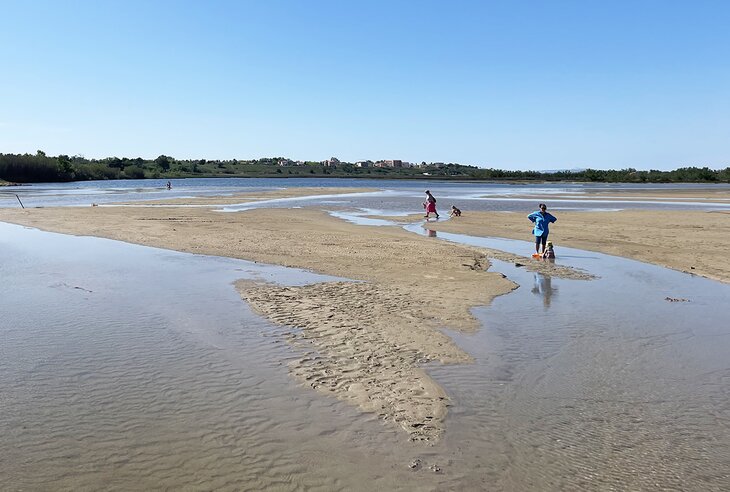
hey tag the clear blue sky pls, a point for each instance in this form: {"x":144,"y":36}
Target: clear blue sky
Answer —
{"x":513,"y":85}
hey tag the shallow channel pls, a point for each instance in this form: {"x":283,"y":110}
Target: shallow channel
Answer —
{"x":126,"y":367}
{"x":619,"y":383}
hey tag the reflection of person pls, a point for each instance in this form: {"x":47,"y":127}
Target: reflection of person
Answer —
{"x":455,"y":212}
{"x":430,"y":205}
{"x":542,"y":220}
{"x":549,"y":253}
{"x":543,"y":287}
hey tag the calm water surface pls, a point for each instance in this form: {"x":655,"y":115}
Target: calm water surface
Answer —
{"x":132,"y":368}
{"x":621,"y":383}
{"x":124,"y":367}
{"x":398,"y":196}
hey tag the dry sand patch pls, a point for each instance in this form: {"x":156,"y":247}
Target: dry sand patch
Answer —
{"x":689,"y":241}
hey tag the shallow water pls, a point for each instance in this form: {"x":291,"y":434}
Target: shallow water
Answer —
{"x":124,"y":367}
{"x":397,"y":196}
{"x":602,"y":384}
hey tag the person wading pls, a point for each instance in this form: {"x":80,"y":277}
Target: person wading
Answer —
{"x":430,"y":205}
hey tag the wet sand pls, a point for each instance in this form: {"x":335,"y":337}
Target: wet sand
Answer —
{"x":154,"y":392}
{"x":689,"y":241}
{"x":718,"y":195}
{"x":370,"y":339}
{"x":253,"y":196}
{"x":367,"y":342}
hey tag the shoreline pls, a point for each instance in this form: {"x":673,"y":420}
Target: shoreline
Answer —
{"x":366,"y":340}
{"x":648,"y":185}
{"x":692,"y":242}
{"x":369,"y":352}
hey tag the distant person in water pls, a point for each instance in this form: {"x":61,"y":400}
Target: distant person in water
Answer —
{"x":542,"y":220}
{"x":549,"y":253}
{"x":455,"y":212}
{"x":169,"y":185}
{"x":430,"y":205}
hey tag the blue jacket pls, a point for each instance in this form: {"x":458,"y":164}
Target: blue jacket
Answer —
{"x":542,"y":222}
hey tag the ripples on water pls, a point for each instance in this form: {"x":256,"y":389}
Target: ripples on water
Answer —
{"x":124,"y":367}
{"x":129,"y":367}
{"x":399,"y":196}
{"x":597,"y":385}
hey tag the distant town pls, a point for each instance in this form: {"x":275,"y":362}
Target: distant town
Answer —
{"x":334,"y":162}
{"x":391,"y":163}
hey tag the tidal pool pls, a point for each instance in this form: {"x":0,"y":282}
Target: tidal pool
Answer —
{"x":399,"y":195}
{"x":126,"y":367}
{"x":619,"y":383}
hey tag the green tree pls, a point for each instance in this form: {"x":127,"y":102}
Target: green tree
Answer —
{"x":134,"y":172}
{"x":164,"y":162}
{"x":115,"y":162}
{"x":65,"y":167}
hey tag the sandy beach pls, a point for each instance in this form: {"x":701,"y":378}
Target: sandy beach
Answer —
{"x":719,"y":195}
{"x":689,"y":241}
{"x":230,"y":257}
{"x":366,"y":341}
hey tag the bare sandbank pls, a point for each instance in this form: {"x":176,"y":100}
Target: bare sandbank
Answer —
{"x":366,"y":342}
{"x":689,"y":241}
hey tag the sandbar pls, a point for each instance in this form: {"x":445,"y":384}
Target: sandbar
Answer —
{"x":367,"y":341}
{"x":689,"y":241}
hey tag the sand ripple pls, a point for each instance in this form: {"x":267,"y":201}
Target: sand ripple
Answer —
{"x":369,"y":342}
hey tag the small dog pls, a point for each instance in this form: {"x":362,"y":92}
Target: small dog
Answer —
{"x":549,"y":251}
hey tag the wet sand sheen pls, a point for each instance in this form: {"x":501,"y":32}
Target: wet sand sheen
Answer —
{"x":133,"y":368}
{"x":500,"y":440}
{"x":533,"y":410}
{"x":421,"y":285}
{"x":368,"y":356}
{"x":688,"y":241}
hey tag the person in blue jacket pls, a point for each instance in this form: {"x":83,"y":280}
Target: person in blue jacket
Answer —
{"x":542,"y":220}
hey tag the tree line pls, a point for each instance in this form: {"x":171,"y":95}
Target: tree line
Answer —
{"x":39,"y":167}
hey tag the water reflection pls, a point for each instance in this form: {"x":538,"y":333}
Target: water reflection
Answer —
{"x":543,"y":286}
{"x":394,"y":195}
{"x":132,"y":368}
{"x":155,"y":362}
{"x":612,"y":388}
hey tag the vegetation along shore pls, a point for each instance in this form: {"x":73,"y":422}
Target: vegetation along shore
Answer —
{"x":39,"y":167}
